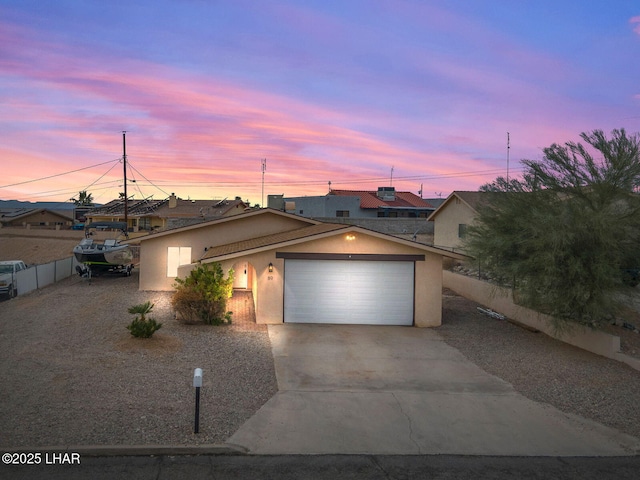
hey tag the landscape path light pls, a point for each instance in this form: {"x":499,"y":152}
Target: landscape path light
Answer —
{"x":197,"y":382}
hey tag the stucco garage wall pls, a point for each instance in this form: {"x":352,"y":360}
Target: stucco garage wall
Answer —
{"x":428,"y":273}
{"x":153,"y":251}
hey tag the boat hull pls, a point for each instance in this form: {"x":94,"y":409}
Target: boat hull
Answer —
{"x":115,"y":256}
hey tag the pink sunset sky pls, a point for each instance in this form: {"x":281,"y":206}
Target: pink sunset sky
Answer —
{"x":359,"y":93}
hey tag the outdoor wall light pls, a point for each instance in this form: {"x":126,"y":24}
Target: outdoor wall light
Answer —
{"x":350,"y":237}
{"x":270,"y":267}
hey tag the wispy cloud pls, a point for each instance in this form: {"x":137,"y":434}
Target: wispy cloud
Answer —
{"x":324,"y":93}
{"x":635,"y":21}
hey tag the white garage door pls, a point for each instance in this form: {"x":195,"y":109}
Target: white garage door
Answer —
{"x":339,"y":291}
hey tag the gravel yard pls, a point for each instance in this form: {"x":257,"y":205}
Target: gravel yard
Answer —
{"x":544,"y":369}
{"x":71,"y":373}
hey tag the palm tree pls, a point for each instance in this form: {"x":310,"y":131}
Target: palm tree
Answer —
{"x":84,"y":199}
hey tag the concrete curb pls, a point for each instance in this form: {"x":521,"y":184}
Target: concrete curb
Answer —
{"x":136,"y":450}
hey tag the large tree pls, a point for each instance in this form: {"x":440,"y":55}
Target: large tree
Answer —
{"x":567,"y":232}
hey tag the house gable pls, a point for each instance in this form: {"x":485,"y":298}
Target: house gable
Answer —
{"x":452,"y":218}
{"x":201,"y":237}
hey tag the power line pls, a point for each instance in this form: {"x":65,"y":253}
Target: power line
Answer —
{"x":139,"y":173}
{"x":57,"y":174}
{"x":322,"y":182}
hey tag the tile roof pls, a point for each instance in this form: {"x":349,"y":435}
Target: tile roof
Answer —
{"x":370,"y":199}
{"x":17,"y":213}
{"x":273,"y":239}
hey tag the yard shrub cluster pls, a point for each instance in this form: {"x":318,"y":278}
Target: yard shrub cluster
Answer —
{"x":202,"y":296}
{"x":141,"y":326}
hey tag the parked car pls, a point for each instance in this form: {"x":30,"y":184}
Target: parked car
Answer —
{"x":8,"y":270}
{"x":78,"y":226}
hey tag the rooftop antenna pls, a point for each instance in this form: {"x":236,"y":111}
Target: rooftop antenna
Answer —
{"x":508,"y":148}
{"x":264,"y":168}
{"x":124,"y":162}
{"x":329,"y":186}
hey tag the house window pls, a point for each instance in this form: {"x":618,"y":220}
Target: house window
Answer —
{"x":462,"y":230}
{"x":144,"y":223}
{"x":177,"y":256}
{"x":342,"y":213}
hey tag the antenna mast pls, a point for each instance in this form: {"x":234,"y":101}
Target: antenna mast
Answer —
{"x":264,"y":168}
{"x":124,"y":163}
{"x":508,"y":148}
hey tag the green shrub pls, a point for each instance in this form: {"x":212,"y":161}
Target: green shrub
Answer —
{"x":141,"y":327}
{"x":202,"y":296}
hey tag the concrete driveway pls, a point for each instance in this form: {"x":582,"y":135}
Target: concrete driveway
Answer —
{"x":401,"y":390}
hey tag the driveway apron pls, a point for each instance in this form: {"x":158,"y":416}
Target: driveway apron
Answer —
{"x":357,"y":389}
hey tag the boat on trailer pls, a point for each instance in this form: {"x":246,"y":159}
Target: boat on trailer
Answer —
{"x":107,"y":256}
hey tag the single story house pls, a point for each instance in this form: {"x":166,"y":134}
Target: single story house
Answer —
{"x":301,"y":270}
{"x":36,"y":217}
{"x":452,"y":217}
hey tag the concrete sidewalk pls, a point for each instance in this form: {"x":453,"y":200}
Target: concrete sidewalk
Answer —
{"x":398,"y":390}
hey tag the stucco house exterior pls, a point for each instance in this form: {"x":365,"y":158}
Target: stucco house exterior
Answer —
{"x":453,"y":216}
{"x":301,"y":270}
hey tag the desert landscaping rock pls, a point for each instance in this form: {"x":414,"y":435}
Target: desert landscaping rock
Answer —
{"x":73,"y":375}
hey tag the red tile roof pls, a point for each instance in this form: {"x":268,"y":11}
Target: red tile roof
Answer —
{"x":370,"y":199}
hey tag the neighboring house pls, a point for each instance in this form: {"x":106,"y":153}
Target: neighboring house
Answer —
{"x":305,"y":271}
{"x":383,"y":203}
{"x":453,"y":216}
{"x":35,"y":218}
{"x":149,"y":215}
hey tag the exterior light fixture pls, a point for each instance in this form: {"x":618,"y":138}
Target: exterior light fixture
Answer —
{"x":270,"y":267}
{"x":350,"y":237}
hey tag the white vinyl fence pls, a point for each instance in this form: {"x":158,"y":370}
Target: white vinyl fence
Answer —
{"x":39,"y":276}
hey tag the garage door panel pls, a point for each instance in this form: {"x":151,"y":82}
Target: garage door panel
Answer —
{"x":338,"y":291}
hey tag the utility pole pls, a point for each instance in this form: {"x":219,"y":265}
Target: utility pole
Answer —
{"x":391,"y":176}
{"x":264,"y":168}
{"x":124,"y":163}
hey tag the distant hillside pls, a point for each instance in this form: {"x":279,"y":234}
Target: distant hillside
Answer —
{"x":47,"y":205}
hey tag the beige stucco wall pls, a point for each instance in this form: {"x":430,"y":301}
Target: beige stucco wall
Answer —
{"x":46,"y":218}
{"x":453,"y":213}
{"x":153,"y":251}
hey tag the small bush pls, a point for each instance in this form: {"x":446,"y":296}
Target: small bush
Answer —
{"x":141,"y":327}
{"x":202,"y":296}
